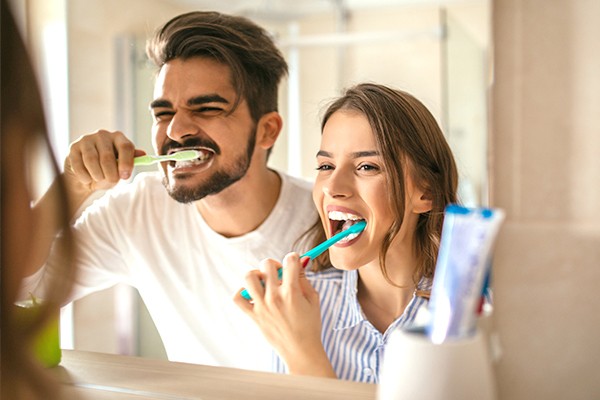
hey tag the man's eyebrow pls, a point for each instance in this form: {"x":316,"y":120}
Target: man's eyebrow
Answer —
{"x":160,"y":104}
{"x":208,"y":98}
{"x":194,"y":101}
{"x":357,"y":154}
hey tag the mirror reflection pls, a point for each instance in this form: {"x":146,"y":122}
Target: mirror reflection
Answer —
{"x":438,"y":51}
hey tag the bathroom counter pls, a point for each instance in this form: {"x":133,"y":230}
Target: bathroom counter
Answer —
{"x":95,"y":376}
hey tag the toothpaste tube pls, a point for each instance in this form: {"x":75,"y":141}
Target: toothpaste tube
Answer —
{"x":468,"y":235}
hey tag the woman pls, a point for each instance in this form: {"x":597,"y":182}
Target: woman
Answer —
{"x":23,"y":130}
{"x":383,"y":159}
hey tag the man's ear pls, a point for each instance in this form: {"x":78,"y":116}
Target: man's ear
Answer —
{"x":268,"y":129}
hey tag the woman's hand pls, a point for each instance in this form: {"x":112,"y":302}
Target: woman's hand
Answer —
{"x":288,"y":314}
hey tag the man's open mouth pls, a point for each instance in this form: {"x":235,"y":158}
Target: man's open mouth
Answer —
{"x":205,"y":156}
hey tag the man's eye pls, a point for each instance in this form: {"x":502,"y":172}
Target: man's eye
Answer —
{"x":162,"y":114}
{"x":209,"y":110}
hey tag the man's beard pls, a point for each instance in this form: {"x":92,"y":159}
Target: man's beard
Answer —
{"x":218,"y":181}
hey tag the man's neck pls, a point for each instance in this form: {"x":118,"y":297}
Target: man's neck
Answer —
{"x":244,"y":206}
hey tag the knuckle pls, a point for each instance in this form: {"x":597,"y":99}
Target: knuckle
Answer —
{"x":127,"y":146}
{"x":107,"y":158}
{"x":250,"y":274}
{"x":268,"y":264}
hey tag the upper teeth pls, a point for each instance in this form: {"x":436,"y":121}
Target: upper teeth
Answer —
{"x":342,"y":216}
{"x":204,"y":155}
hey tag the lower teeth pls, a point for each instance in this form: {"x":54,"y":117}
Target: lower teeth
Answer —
{"x":349,"y":238}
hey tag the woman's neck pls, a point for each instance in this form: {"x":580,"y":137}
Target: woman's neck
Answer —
{"x":381,"y":301}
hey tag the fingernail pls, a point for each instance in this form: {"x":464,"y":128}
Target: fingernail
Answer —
{"x":305,"y":261}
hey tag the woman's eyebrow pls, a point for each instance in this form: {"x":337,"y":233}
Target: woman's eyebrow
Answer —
{"x":365,"y":153}
{"x":356,"y":154}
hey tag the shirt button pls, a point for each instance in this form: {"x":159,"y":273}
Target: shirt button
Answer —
{"x":368,"y":371}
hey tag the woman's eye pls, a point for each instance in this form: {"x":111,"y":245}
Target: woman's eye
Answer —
{"x":324,"y":167}
{"x":368,"y":167}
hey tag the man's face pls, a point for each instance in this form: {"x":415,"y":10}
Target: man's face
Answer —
{"x":192,"y":105}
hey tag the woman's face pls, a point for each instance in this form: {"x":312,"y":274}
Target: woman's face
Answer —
{"x":351,"y":185}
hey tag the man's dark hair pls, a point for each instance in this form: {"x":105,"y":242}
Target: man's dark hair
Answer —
{"x":256,"y":64}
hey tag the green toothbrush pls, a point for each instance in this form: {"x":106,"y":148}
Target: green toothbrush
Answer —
{"x":186,"y":155}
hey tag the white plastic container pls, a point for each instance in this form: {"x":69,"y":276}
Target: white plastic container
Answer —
{"x":416,"y":368}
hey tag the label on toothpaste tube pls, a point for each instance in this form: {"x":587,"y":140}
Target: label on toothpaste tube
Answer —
{"x":468,"y":235}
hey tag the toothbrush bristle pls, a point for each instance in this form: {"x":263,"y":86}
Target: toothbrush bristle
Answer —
{"x":186,"y":155}
{"x":358,"y":227}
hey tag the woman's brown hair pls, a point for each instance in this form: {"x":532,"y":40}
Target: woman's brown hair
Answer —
{"x":23,"y":130}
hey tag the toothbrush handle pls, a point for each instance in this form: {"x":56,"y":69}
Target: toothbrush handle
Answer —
{"x":319,"y":249}
{"x":144,"y":160}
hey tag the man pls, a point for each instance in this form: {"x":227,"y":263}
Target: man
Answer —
{"x":215,"y":92}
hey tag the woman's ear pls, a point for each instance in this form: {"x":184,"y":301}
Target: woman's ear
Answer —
{"x":268,"y":129}
{"x":422,"y":201}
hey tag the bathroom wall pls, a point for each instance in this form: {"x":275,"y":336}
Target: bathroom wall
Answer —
{"x":545,"y":172}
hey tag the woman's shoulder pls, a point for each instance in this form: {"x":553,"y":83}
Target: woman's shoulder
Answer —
{"x":330,"y":273}
{"x":328,"y":280}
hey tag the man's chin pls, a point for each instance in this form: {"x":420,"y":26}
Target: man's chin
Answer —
{"x":188,"y":192}
{"x":184,"y":193}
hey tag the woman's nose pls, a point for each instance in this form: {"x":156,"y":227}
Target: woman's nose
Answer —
{"x":338,"y":185}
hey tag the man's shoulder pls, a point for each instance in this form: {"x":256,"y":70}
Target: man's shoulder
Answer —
{"x":295,"y":183}
{"x":296,"y":199}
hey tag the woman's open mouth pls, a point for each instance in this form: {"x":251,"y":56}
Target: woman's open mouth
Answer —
{"x":339,"y":221}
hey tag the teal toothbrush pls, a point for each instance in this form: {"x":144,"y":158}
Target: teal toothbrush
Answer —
{"x":186,"y":155}
{"x":318,"y":250}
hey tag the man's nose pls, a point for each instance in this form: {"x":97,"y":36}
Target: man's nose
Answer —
{"x":181,"y":127}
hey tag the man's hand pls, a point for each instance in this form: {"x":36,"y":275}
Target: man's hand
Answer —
{"x":98,"y":161}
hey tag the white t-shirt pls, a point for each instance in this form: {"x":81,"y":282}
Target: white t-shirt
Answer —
{"x":186,"y":273}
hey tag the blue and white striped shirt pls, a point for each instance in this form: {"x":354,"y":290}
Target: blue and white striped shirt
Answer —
{"x":354,"y":346}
